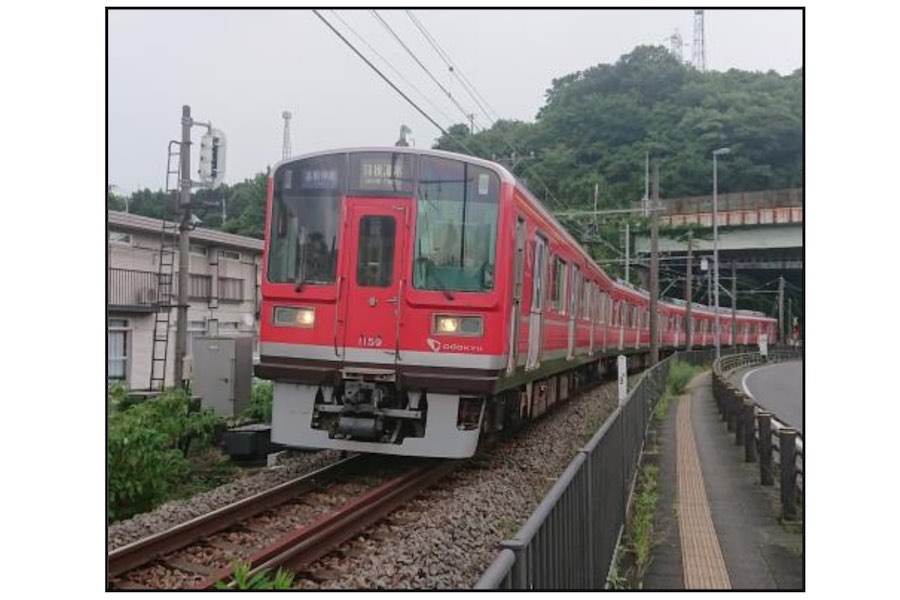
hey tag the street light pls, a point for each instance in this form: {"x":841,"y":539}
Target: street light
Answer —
{"x":715,"y":155}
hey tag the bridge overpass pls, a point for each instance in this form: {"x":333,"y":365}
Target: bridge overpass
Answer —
{"x":760,"y":238}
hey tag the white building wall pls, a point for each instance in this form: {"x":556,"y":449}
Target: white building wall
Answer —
{"x":233,"y":317}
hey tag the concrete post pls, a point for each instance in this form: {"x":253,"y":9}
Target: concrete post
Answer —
{"x":184,"y":234}
{"x":749,"y":429}
{"x":788,"y":440}
{"x":765,"y":447}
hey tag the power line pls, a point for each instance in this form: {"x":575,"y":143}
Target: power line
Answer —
{"x":389,"y":82}
{"x":419,"y":62}
{"x":460,"y":76}
{"x":391,"y":66}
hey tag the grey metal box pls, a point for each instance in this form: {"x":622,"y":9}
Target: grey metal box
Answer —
{"x":223,"y":372}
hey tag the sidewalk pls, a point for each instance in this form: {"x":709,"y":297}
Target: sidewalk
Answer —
{"x":716,"y":527}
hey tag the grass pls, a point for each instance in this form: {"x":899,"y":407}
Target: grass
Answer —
{"x":641,"y":537}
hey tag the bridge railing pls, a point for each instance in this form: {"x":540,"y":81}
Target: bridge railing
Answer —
{"x":570,"y":540}
{"x":765,"y":439}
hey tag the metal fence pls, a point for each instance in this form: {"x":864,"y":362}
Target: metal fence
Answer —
{"x":570,"y":540}
{"x":765,"y":439}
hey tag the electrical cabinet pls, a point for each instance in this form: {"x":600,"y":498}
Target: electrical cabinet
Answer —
{"x":223,"y":373}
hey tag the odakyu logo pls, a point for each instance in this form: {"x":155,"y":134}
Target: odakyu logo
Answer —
{"x":438,"y":346}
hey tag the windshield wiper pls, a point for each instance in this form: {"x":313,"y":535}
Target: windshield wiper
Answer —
{"x":301,"y":260}
{"x":434,"y":277}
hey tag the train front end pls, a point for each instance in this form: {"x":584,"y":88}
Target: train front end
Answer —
{"x":381,"y":321}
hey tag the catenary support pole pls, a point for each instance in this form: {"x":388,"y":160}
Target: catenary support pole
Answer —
{"x":183,"y":247}
{"x":654,"y":268}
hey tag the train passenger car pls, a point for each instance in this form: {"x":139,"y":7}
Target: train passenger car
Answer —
{"x":415,"y":298}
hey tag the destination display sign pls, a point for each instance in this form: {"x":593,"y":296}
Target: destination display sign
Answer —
{"x":382,"y":172}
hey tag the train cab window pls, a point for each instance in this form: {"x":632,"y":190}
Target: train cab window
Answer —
{"x":306,"y":206}
{"x":375,"y":258}
{"x":456,"y":226}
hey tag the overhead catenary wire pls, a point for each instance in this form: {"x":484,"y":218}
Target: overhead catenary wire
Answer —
{"x":391,"y":83}
{"x":390,"y":30}
{"x":454,"y":69}
{"x":392,"y":67}
{"x":449,"y":62}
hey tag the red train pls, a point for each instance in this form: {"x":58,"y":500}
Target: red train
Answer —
{"x":415,"y":298}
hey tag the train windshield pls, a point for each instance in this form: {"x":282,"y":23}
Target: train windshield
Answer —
{"x":456,"y":226}
{"x":306,"y":210}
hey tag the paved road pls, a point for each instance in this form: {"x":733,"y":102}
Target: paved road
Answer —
{"x":778,"y":388}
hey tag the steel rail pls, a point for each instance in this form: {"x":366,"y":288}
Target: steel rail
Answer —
{"x":143,"y":551}
{"x":303,"y":546}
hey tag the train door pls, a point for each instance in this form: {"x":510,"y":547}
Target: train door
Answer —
{"x":371,"y":299}
{"x":515,"y":310}
{"x":535,"y":321}
{"x":573,"y":309}
{"x":591,"y":313}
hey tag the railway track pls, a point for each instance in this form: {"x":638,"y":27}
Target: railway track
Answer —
{"x":290,"y":525}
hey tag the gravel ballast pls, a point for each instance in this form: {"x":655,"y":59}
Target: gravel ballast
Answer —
{"x":448,"y":536}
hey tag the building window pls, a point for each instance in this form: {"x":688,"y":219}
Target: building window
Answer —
{"x":229,"y":328}
{"x":117,"y":237}
{"x":195,"y":329}
{"x":231,"y":289}
{"x":117,"y":349}
{"x":233,"y":255}
{"x":198,"y":250}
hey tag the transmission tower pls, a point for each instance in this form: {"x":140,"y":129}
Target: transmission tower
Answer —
{"x":699,"y":49}
{"x":286,"y":147}
{"x":675,"y":46}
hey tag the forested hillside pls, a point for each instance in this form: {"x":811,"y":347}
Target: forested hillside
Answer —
{"x":595,"y":127}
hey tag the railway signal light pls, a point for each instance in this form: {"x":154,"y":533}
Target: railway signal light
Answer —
{"x":212,"y":157}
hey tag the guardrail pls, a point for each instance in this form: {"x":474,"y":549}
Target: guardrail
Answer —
{"x":570,"y":540}
{"x":765,"y":439}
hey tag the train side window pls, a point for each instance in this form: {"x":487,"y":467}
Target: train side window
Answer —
{"x":574,"y":292}
{"x":559,"y":286}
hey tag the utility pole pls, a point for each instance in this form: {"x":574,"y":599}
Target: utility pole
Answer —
{"x":471,"y":123}
{"x":733,"y":304}
{"x":654,"y":268}
{"x":688,"y":291}
{"x":184,"y":240}
{"x":627,"y":250}
{"x":790,"y":321}
{"x":780,"y":308}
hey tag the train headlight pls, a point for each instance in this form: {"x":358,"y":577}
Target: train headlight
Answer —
{"x":457,"y":325}
{"x":294,"y":317}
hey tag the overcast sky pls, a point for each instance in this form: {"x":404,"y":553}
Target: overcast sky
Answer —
{"x":240,"y":69}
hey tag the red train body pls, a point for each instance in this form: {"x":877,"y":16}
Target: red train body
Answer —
{"x":414,"y":298}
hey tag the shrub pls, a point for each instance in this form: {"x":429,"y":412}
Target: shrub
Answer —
{"x":146,"y":450}
{"x":260,"y":408}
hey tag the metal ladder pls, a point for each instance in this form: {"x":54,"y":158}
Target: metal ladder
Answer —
{"x":165,"y":281}
{"x":164,"y":304}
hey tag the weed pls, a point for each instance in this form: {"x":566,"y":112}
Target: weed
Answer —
{"x":642,"y":519}
{"x":243,"y":580}
{"x":507,"y":527}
